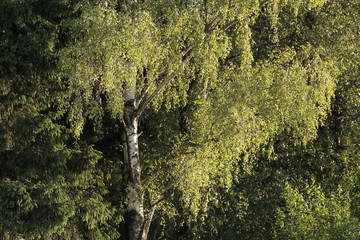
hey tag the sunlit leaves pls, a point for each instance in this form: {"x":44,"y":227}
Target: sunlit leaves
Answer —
{"x":226,"y":77}
{"x":311,"y":214}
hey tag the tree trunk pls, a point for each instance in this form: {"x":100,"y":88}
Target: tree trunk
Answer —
{"x":134,"y":192}
{"x":135,"y":208}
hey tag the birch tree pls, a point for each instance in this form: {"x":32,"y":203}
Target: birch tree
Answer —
{"x":193,"y":60}
{"x":182,"y":81}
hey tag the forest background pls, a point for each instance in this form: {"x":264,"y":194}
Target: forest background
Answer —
{"x":179,"y":119}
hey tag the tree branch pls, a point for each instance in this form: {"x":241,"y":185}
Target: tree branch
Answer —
{"x":230,"y":24}
{"x":143,"y":94}
{"x":147,"y":101}
{"x":234,"y":22}
{"x":213,"y":24}
{"x":187,"y":56}
{"x":146,"y":225}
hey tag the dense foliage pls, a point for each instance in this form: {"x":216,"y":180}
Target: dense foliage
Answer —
{"x":245,"y":116}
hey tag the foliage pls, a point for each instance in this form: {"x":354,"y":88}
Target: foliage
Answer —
{"x":228,"y":94}
{"x":287,"y":189}
{"x":51,"y":184}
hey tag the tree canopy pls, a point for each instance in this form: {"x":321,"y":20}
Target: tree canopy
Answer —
{"x":179,"y":119}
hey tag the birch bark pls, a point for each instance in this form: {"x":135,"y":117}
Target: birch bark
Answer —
{"x":135,"y":209}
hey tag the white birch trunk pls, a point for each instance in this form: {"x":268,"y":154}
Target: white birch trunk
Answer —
{"x":135,"y":208}
{"x":134,"y":192}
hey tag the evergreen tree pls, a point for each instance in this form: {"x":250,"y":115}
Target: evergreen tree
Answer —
{"x":52,"y":185}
